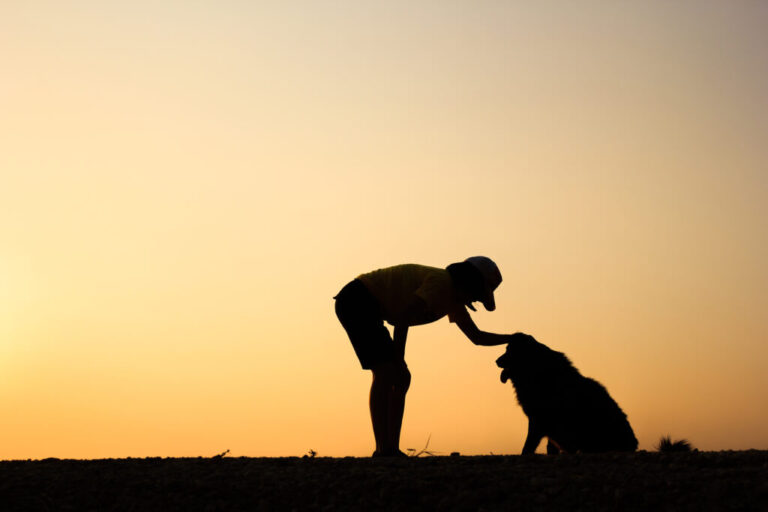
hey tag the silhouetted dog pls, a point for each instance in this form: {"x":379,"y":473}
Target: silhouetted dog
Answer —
{"x":574,"y":412}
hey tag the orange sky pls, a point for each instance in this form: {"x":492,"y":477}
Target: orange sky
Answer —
{"x":184,"y":187}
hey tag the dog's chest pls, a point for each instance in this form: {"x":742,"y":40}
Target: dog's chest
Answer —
{"x":535,"y":397}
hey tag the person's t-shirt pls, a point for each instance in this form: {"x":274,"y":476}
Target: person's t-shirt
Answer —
{"x":394,"y":288}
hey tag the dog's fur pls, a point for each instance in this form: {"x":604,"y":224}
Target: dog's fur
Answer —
{"x":574,"y":412}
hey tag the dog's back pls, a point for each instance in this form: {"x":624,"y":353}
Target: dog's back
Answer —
{"x":575,"y":412}
{"x":592,"y":421}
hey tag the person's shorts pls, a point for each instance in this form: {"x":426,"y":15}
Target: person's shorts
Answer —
{"x":360,"y":314}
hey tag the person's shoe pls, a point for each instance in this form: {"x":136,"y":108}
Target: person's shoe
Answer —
{"x":396,"y":454}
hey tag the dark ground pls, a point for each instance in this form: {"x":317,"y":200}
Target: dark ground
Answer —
{"x":703,"y":481}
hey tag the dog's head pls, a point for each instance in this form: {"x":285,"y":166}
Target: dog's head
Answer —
{"x":522,"y":350}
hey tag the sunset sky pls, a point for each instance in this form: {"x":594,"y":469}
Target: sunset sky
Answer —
{"x":184,"y":186}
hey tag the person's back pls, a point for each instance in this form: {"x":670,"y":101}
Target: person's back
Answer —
{"x":393,"y":287}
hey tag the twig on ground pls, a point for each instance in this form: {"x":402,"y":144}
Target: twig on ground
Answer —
{"x":413,"y":453}
{"x":221,"y":455}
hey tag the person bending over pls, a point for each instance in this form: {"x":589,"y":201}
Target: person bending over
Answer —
{"x":404,"y":296}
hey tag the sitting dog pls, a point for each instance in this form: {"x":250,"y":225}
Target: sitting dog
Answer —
{"x":574,"y":412}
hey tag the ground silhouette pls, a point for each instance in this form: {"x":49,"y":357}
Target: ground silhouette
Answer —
{"x":637,"y":481}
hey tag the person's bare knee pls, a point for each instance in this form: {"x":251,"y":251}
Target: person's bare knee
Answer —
{"x":394,"y":374}
{"x":402,"y":379}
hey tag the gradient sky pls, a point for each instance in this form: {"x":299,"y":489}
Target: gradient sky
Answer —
{"x":184,"y":186}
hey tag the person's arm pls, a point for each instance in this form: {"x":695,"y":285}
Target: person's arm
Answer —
{"x":401,"y":333}
{"x":475,"y":335}
{"x":414,"y":313}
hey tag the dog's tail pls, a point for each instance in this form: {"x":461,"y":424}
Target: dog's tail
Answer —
{"x":667,"y":445}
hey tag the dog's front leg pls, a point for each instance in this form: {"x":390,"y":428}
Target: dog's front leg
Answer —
{"x":533,"y":439}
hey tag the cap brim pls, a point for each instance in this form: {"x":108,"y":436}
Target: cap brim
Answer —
{"x":489,"y":302}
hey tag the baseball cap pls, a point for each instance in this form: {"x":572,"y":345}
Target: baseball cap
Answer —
{"x":491,"y":278}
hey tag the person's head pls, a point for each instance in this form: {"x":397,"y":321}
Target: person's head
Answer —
{"x":475,"y":279}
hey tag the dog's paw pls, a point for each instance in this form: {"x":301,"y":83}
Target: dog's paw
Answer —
{"x":504,"y":376}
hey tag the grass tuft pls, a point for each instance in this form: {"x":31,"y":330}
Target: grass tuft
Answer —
{"x":666,"y":445}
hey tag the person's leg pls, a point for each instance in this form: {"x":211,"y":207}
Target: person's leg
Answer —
{"x":391,"y":381}
{"x":381,"y":389}
{"x":360,"y":316}
{"x":397,"y":404}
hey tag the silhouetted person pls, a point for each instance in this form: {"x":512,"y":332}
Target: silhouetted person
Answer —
{"x":403,"y":296}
